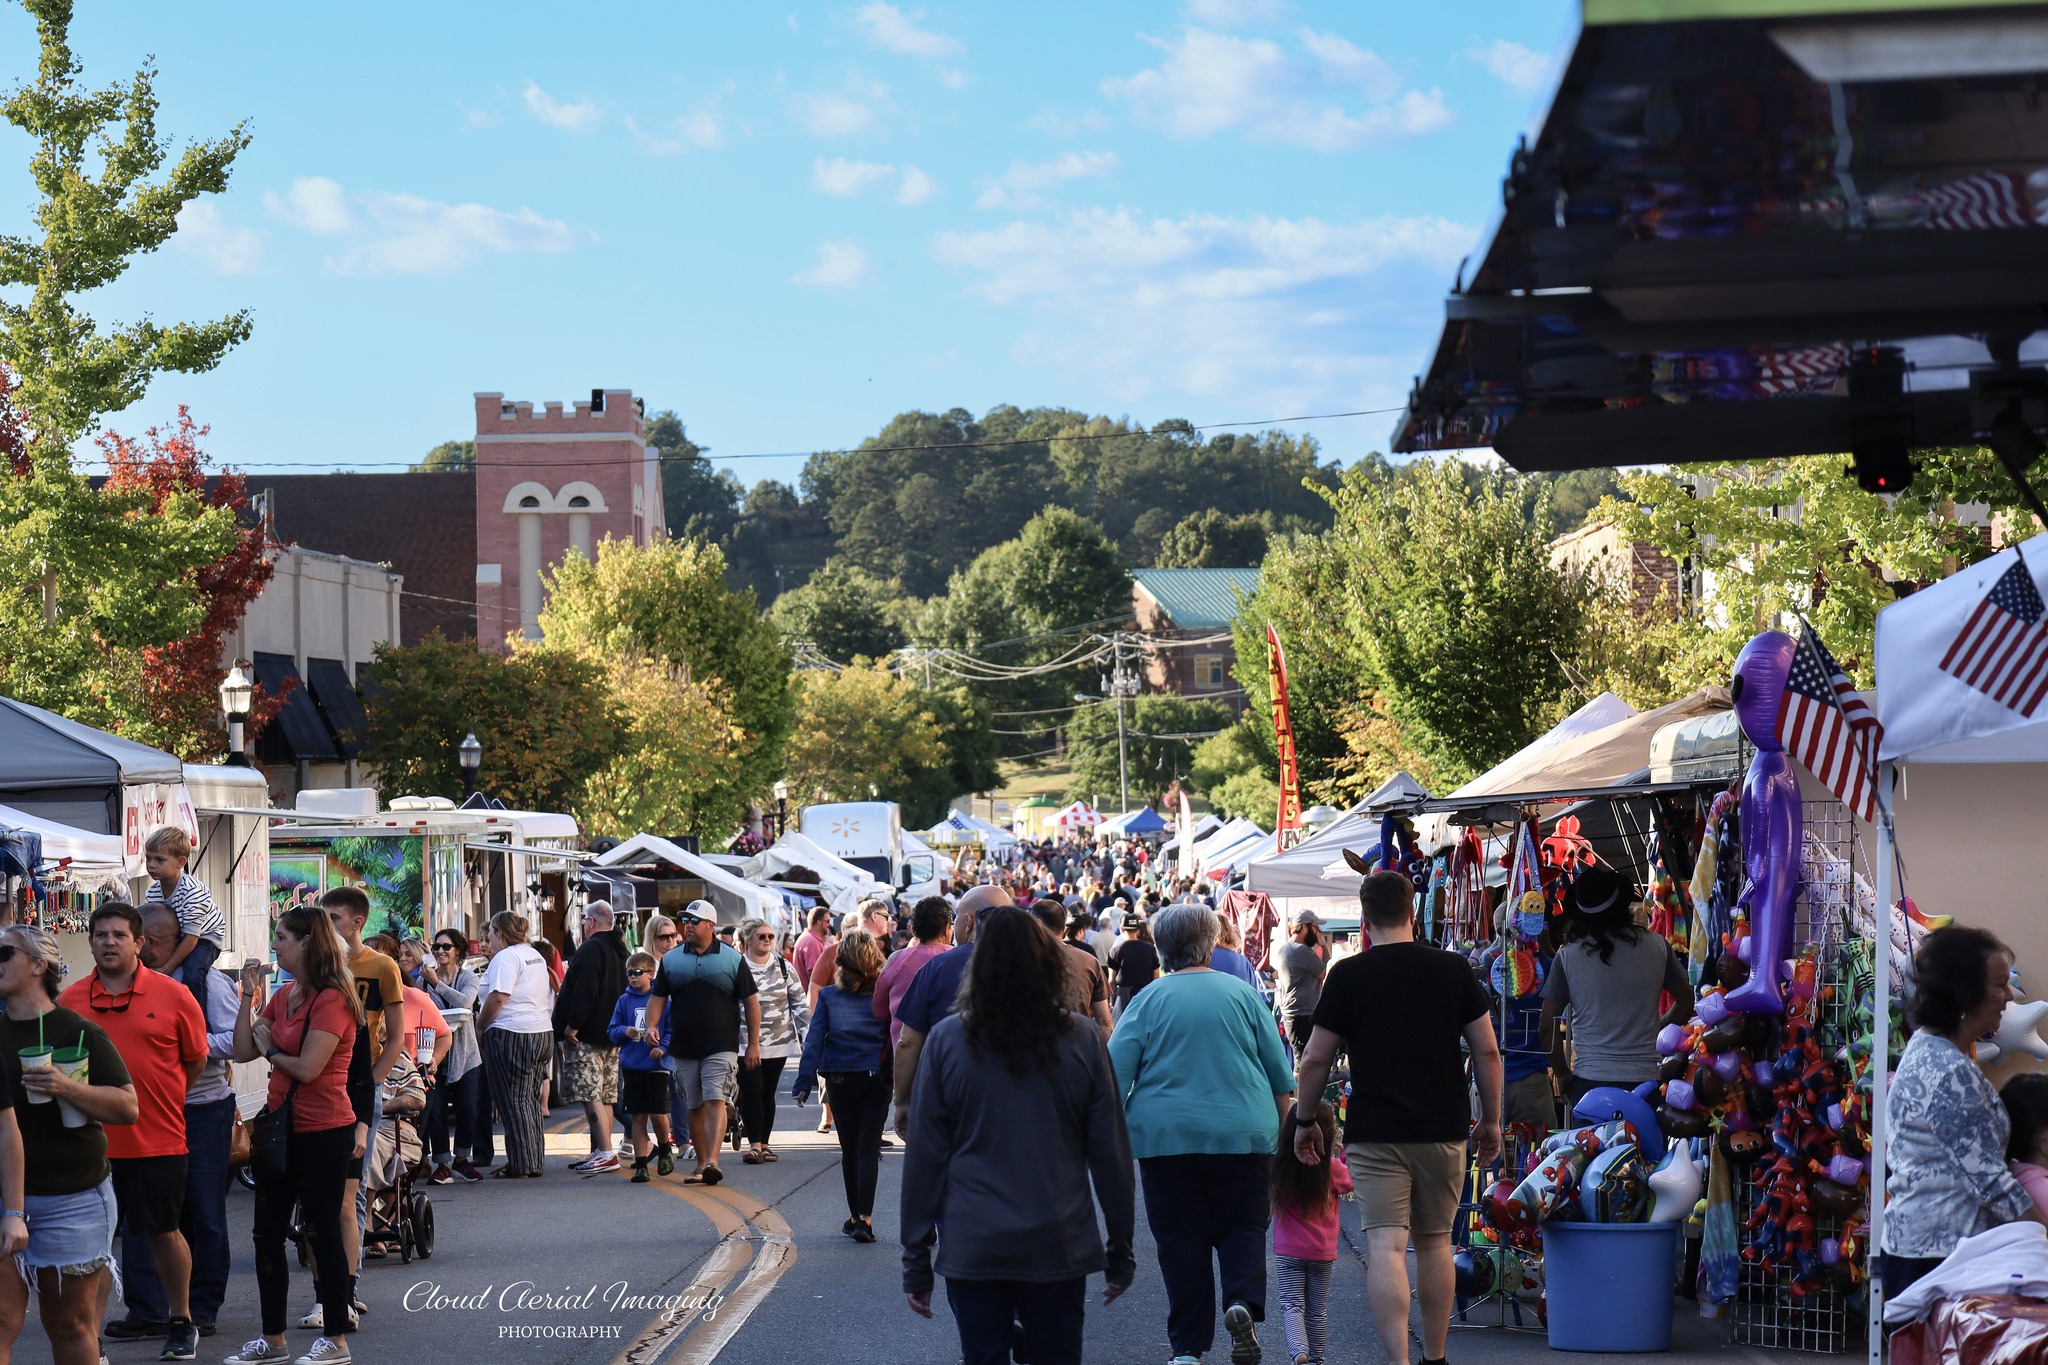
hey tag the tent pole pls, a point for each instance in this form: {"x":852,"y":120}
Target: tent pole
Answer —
{"x":1880,"y":1057}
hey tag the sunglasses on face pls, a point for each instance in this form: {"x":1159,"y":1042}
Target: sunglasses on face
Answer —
{"x":444,"y":947}
{"x":758,"y":938}
{"x":7,"y":952}
{"x":639,"y":971}
{"x":94,"y":995}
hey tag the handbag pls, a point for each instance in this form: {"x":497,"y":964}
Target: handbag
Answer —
{"x":238,"y":1142}
{"x":270,"y":1134}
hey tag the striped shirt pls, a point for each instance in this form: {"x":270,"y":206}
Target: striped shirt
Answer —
{"x":194,"y":907}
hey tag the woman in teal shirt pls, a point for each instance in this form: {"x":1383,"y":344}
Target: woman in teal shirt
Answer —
{"x":1205,"y":1081}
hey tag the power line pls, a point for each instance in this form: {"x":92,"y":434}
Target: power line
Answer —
{"x":405,"y":463}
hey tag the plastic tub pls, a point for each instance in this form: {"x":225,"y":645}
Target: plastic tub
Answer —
{"x":1609,"y":1285}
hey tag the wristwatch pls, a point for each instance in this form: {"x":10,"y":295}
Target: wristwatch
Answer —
{"x":1309,"y":1122}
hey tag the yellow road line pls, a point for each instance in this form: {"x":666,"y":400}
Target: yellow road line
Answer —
{"x":694,"y":1338}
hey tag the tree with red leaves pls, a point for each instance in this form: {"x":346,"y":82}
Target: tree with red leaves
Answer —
{"x":178,"y":682}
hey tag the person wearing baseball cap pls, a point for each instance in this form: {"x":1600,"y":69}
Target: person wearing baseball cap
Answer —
{"x":702,"y":986}
{"x":1298,"y":967}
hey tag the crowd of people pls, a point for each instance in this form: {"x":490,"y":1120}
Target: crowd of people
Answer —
{"x":1045,"y":1045}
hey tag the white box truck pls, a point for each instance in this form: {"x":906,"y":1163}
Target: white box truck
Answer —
{"x":869,"y":834}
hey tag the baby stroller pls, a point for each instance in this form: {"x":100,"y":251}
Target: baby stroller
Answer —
{"x":400,"y":1214}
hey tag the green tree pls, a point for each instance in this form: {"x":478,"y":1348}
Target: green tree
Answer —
{"x":1300,"y":594}
{"x":544,"y":717}
{"x":1024,"y":606}
{"x":1211,"y":539}
{"x":669,"y":601}
{"x":861,"y":734}
{"x":1160,"y":737}
{"x":972,"y":753}
{"x":95,"y":154}
{"x":448,"y":456}
{"x":87,"y":576}
{"x":698,"y":502}
{"x":668,"y":773}
{"x":845,"y":612}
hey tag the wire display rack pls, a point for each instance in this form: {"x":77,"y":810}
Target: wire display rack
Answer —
{"x":1835,"y":878}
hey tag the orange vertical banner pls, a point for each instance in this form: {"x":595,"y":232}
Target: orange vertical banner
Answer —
{"x":1283,"y":735}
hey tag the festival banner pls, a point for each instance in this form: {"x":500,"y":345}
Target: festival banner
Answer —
{"x":1283,"y":735}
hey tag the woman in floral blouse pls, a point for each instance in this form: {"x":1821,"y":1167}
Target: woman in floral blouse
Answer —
{"x":1948,"y":1177}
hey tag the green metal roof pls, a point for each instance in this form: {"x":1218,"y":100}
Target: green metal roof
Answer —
{"x":1198,"y":599}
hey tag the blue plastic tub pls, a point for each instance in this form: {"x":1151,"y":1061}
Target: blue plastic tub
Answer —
{"x":1608,"y":1285}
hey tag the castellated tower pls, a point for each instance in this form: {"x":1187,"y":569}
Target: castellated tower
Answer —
{"x":553,"y":483}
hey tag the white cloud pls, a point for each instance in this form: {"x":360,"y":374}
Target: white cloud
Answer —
{"x":890,"y":29}
{"x":917,"y":187}
{"x":1230,"y":13}
{"x":1016,"y":190}
{"x":834,"y":115}
{"x":841,"y":265}
{"x":232,"y":250}
{"x":1267,"y":310}
{"x":1515,"y":66}
{"x":387,"y":233}
{"x":1068,"y":125}
{"x":313,"y":204}
{"x":580,"y":117}
{"x":1214,"y":82}
{"x":475,"y":119}
{"x":843,"y":179}
{"x":952,"y":78}
{"x":700,"y":129}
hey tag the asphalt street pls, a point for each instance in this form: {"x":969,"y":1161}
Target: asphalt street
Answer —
{"x":574,"y":1270}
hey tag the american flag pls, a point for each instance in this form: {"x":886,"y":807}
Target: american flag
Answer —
{"x":1825,"y":723}
{"x":2002,"y":650}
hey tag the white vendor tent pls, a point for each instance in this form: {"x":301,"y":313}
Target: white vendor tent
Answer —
{"x":736,"y":899}
{"x":1079,"y":815}
{"x":1223,"y":856}
{"x":1316,"y":866}
{"x":1986,"y":817}
{"x":960,"y":827}
{"x":842,"y":883}
{"x":90,"y":862}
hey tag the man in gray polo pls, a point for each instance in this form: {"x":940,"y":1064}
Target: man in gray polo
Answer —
{"x":1298,"y":971}
{"x":701,"y":987}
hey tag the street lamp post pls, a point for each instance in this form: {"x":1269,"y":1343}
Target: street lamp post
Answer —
{"x":781,"y":809}
{"x":236,"y":695}
{"x":471,"y":755}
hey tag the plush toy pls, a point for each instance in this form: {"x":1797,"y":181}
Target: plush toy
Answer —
{"x":1675,"y":1185}
{"x":1771,"y":823}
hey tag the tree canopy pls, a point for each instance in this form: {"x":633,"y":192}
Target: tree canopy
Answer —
{"x":448,"y":457}
{"x":845,"y":613}
{"x":1160,"y":737}
{"x":1211,"y":539}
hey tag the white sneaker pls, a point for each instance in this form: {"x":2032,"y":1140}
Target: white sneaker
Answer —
{"x":326,"y":1352}
{"x":253,"y":1351}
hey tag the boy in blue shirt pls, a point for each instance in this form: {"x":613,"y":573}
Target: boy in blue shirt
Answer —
{"x":643,"y":1081}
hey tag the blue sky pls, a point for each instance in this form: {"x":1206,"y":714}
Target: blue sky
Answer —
{"x":790,"y":223}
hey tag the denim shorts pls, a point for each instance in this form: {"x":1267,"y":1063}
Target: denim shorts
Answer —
{"x":71,"y":1233}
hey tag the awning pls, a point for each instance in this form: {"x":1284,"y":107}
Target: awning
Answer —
{"x":1758,"y":230}
{"x":89,"y":861}
{"x":296,"y":734}
{"x":338,"y":701}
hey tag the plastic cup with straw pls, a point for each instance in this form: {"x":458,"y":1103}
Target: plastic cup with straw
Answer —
{"x":37,"y":1058}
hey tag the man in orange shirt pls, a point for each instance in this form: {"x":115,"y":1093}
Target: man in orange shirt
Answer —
{"x":157,"y":1027}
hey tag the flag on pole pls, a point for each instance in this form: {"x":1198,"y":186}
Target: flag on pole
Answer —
{"x":1283,"y":735}
{"x":1825,"y":723}
{"x":2002,"y":650}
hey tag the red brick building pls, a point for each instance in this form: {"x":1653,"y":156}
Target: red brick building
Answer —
{"x":1184,"y":616}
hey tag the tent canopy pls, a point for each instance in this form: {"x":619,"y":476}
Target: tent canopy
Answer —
{"x":72,"y":773}
{"x":1586,"y":759}
{"x":960,"y":827}
{"x":1143,"y":820}
{"x":1316,"y":866}
{"x":1931,"y":716}
{"x":1079,"y":815}
{"x":96,"y":862}
{"x":735,"y":898}
{"x":842,"y":883}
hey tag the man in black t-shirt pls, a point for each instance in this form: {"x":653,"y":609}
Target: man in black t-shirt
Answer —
{"x":1134,"y":961}
{"x":1399,"y":1009}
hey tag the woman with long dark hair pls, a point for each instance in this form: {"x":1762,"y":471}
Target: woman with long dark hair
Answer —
{"x":1608,"y":977}
{"x":849,"y":1047}
{"x":306,"y":1033}
{"x":1015,"y":1113}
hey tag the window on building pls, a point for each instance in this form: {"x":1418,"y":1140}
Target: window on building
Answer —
{"x":1209,"y":671}
{"x":530,"y":501}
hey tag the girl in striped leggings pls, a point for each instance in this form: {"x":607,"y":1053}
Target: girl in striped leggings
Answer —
{"x":1305,"y":1236}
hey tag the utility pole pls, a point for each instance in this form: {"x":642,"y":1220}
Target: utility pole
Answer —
{"x":1122,"y":683}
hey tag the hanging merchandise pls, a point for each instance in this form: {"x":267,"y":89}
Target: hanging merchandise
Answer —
{"x":1716,"y":883}
{"x":1771,"y":822}
{"x":1467,"y":918}
{"x":1670,"y":915}
{"x":1525,"y":902}
{"x":1436,"y":899}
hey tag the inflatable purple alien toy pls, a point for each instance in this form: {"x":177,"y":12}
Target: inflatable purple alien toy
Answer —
{"x":1771,"y":825}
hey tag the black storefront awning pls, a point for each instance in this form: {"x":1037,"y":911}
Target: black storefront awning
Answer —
{"x":339,"y":703}
{"x":1815,"y":228}
{"x":297,"y":734}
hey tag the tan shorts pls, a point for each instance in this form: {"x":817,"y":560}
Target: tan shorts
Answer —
{"x":1411,"y":1185}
